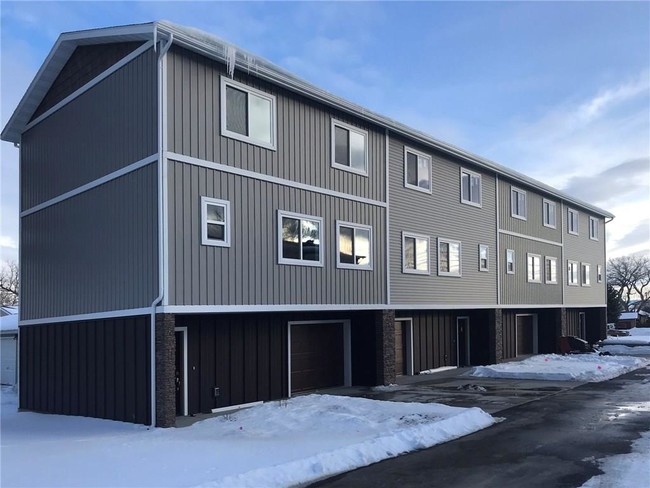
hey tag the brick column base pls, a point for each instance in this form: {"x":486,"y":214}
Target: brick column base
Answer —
{"x":385,"y":349}
{"x":496,"y":335}
{"x":165,"y":370}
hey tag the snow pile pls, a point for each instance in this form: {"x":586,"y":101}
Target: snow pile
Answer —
{"x":275,"y":444}
{"x":9,"y":323}
{"x":573,"y":367}
{"x":636,"y":344}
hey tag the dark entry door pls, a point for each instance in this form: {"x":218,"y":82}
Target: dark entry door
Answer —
{"x":524,"y":335}
{"x":583,"y":325}
{"x":180,"y":373}
{"x":462,"y":330}
{"x":316,"y":356}
{"x":400,"y":348}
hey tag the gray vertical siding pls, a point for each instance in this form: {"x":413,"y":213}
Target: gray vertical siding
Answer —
{"x":94,"y":252}
{"x":441,"y":214}
{"x":247,"y":272}
{"x":303,"y":130}
{"x":108,"y":127}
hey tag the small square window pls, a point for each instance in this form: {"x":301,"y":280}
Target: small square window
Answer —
{"x":534,"y":268}
{"x":510,"y":261}
{"x":354,"y":246}
{"x":417,"y":170}
{"x":470,"y":187}
{"x":599,"y":273}
{"x":518,"y":203}
{"x":549,"y":215}
{"x":449,"y":257}
{"x":572,"y":273}
{"x":300,"y":239}
{"x":215,"y":226}
{"x":483,"y":257}
{"x":586,"y":274}
{"x":415,"y":253}
{"x":550,"y":265}
{"x":572,"y":221}
{"x":349,"y":148}
{"x":593,"y":228}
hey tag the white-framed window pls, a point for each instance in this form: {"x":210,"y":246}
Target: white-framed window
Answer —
{"x":353,"y":246}
{"x":599,"y":273}
{"x":572,"y":221}
{"x":483,"y":257}
{"x":449,"y":257}
{"x":572,"y":272}
{"x":248,"y":114}
{"x":518,"y":203}
{"x":534,"y":268}
{"x":548,"y":213}
{"x":349,"y":148}
{"x":550,"y":268}
{"x":417,"y":170}
{"x":510,"y":261}
{"x":470,"y":187}
{"x":593,"y":228}
{"x":586,"y":274}
{"x":215,"y":222}
{"x":300,"y":239}
{"x":415,"y":253}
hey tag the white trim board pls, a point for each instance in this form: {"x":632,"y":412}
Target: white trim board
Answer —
{"x":268,"y":178}
{"x":185,"y":376}
{"x":88,"y":316}
{"x":530,"y":238}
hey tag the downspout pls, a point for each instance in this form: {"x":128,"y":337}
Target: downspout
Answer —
{"x":161,"y":222}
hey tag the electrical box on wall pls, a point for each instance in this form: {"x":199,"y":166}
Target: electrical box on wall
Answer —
{"x":216,"y":391}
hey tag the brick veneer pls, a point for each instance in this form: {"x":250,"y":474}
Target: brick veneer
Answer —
{"x":165,"y":370}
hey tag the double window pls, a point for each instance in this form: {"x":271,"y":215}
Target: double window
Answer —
{"x":215,"y":218}
{"x":247,"y":114}
{"x":349,"y":148}
{"x":586,"y":274}
{"x":449,"y":257}
{"x":572,"y":221}
{"x":483,"y":257}
{"x":549,"y":215}
{"x":510,"y":261}
{"x":417,"y":170}
{"x":354,"y":246}
{"x":534,"y":268}
{"x":300,"y":239}
{"x":572,"y":273}
{"x":550,"y":265}
{"x":593,"y":228}
{"x":415,"y":253}
{"x":518,"y":203}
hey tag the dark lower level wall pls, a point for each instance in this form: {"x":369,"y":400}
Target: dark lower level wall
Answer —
{"x":94,"y":368}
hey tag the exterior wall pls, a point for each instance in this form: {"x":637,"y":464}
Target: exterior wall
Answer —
{"x":515,"y":288}
{"x":434,"y":338}
{"x":247,"y":272}
{"x":441,"y":214}
{"x":106,"y":128}
{"x":95,"y":369}
{"x":93,"y":252}
{"x":303,"y":130}
{"x":548,"y":331}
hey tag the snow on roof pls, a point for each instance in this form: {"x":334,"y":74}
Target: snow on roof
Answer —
{"x":628,"y":316}
{"x":9,"y":323}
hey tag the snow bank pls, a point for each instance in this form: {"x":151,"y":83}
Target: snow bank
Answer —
{"x":623,"y":350}
{"x":638,"y":337}
{"x":573,"y":367}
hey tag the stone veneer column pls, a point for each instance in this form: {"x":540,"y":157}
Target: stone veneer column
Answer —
{"x":385,"y":346}
{"x":165,"y":370}
{"x":496,"y":335}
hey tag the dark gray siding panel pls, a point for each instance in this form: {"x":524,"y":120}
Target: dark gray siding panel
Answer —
{"x":303,"y":131}
{"x":94,"y":252}
{"x":441,"y":215}
{"x":247,"y":272}
{"x":110,"y":126}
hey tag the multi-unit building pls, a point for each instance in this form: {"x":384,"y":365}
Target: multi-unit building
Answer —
{"x":200,"y":229}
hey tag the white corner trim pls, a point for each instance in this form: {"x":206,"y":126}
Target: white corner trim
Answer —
{"x":88,"y":316}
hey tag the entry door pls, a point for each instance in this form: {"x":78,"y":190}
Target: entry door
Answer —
{"x":180,"y":371}
{"x":462,"y":342}
{"x":400,"y":348}
{"x":525,"y":343}
{"x":583,"y":325}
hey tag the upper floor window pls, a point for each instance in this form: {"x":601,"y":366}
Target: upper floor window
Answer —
{"x":572,"y":221}
{"x":550,"y":264}
{"x":518,"y":203}
{"x":470,"y":187}
{"x":510,"y":261}
{"x":449,"y":263}
{"x":599,"y":273}
{"x":349,"y":148}
{"x":534,"y":268}
{"x":415,"y":253}
{"x":483,"y":257}
{"x":586,"y":274}
{"x":300,"y":239}
{"x":354,"y":246}
{"x":417,"y":170}
{"x":215,"y":222}
{"x":548,"y":211}
{"x":247,"y":114}
{"x":572,"y":273}
{"x":593,"y":228}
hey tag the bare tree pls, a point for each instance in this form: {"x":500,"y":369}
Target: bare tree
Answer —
{"x":630,"y":276}
{"x":9,"y":283}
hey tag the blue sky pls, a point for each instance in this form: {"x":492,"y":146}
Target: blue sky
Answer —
{"x":560,"y":91}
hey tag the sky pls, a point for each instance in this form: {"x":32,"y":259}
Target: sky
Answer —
{"x":557,"y":90}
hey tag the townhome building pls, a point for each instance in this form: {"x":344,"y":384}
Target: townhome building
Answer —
{"x":202,"y":230}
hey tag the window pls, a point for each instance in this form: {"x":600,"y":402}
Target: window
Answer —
{"x":572,"y":221}
{"x":349,"y":148}
{"x":417,"y":170}
{"x":415,"y":253}
{"x":510,"y":261}
{"x":534,"y":268}
{"x":586,"y":278}
{"x":299,"y":239}
{"x":215,"y":222}
{"x":550,"y":265}
{"x":470,"y":187}
{"x":593,"y":228}
{"x":449,"y":258}
{"x":548,"y":210}
{"x":483,"y":260}
{"x":354,"y":246}
{"x":572,"y":273}
{"x":247,"y":114}
{"x":518,"y":203}
{"x":599,"y":273}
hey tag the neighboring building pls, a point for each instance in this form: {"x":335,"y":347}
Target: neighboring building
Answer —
{"x":627,"y":320}
{"x":8,"y":345}
{"x":200,"y":229}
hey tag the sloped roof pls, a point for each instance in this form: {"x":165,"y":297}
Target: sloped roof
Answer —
{"x":216,"y":48}
{"x":9,"y":323}
{"x":628,"y":316}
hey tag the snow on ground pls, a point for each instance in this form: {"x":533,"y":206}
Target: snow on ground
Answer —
{"x":623,"y":350}
{"x":639,"y":336}
{"x":625,"y":470}
{"x":275,"y":444}
{"x":572,"y":367}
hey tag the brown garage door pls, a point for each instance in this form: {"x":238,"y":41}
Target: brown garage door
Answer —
{"x":316,"y":356}
{"x":524,"y":335}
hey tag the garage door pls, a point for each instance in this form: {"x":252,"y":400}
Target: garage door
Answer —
{"x":316,"y":356}
{"x":8,"y":360}
{"x":524,"y":335}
